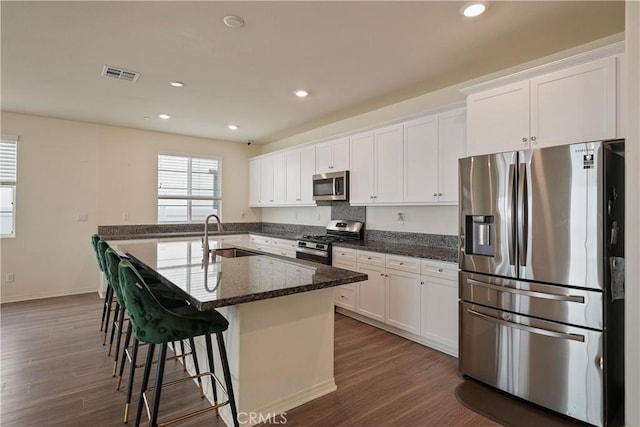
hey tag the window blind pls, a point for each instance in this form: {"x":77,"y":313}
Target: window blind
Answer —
{"x":8,"y":180}
{"x":188,"y":188}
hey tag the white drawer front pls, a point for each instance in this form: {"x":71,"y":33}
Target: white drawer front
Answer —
{"x":344,"y":255}
{"x":403,"y":263}
{"x":283,"y":243}
{"x":371,"y":258}
{"x":440,"y":269}
{"x":346,"y":296}
{"x":260,"y":240}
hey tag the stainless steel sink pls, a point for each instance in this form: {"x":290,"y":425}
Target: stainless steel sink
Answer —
{"x":232,"y":252}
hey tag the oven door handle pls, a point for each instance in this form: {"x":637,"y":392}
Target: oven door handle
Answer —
{"x":316,"y":252}
{"x":531,"y":329}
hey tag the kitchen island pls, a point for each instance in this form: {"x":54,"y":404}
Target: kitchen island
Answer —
{"x":280,"y":313}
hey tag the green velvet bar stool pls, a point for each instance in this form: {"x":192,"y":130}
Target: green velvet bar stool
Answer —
{"x":158,"y":325}
{"x":101,"y":247}
{"x":109,"y":292}
{"x":169,"y":298}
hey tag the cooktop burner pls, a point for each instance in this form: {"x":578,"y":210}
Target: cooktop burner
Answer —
{"x":322,"y":238}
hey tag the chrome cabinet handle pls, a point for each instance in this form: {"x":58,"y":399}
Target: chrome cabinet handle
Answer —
{"x":533,"y":138}
{"x":439,"y":194}
{"x":533,"y":330}
{"x":524,"y":139}
{"x":533,"y":294}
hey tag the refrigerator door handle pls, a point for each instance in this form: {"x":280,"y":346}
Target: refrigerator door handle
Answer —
{"x":511,"y":215}
{"x":534,"y":294}
{"x":531,"y":329}
{"x":523,"y":217}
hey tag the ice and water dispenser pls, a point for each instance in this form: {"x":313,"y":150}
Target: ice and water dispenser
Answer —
{"x":480,"y":235}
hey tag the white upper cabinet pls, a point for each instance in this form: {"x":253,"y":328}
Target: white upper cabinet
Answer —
{"x":300,"y":167}
{"x":283,"y":178}
{"x":575,"y":104}
{"x":452,"y":142}
{"x":332,"y":156}
{"x":376,"y":171}
{"x":361,"y":171}
{"x":255,"y":179}
{"x":432,"y":147}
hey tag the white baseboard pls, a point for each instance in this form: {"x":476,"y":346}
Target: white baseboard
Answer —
{"x":52,"y":294}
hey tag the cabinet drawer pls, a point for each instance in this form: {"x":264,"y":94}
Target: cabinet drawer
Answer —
{"x":344,"y":255}
{"x":439,"y":269}
{"x":283,"y":252}
{"x":283,"y":244}
{"x":403,"y":263}
{"x":260,"y":240}
{"x":346,"y":296}
{"x":371,"y":258}
{"x":230,"y":239}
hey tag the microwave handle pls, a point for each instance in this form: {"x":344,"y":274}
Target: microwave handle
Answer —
{"x":335,"y":186}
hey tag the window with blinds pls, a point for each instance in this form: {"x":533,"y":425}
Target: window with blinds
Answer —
{"x":8,"y":181}
{"x":189,"y":188}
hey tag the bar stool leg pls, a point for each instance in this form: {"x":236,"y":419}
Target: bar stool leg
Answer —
{"x":134,"y":357}
{"x":118,"y":339}
{"x":127,"y":339}
{"x":145,"y":381}
{"x":195,"y":364}
{"x":227,"y":377}
{"x":114,"y":324}
{"x":108,"y":295}
{"x":212,"y":369}
{"x":158,"y":386}
{"x":106,"y":320}
{"x":184,"y":358}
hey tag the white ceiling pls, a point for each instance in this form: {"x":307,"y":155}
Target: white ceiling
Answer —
{"x":351,"y":56}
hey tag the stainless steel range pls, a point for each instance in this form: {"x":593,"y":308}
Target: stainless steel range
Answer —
{"x":317,"y":248}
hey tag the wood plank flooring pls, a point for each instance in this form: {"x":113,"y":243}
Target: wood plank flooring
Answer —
{"x":55,"y":372}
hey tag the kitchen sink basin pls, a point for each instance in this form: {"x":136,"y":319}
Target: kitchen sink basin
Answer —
{"x":232,"y":252}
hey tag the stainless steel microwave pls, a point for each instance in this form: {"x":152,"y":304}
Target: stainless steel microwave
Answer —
{"x":331,"y":186}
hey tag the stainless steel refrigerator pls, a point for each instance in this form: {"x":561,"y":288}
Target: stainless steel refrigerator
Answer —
{"x":541,"y":237}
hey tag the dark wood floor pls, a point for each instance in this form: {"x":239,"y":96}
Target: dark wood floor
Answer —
{"x":55,"y":372}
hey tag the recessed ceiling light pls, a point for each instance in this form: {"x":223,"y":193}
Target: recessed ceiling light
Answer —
{"x":233,"y":127}
{"x":473,"y":9}
{"x":301,"y":93}
{"x":176,"y":83}
{"x":233,"y":21}
{"x":164,"y":116}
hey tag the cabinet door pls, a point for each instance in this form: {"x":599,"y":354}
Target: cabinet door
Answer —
{"x":574,"y":105}
{"x":421,"y":160}
{"x":293,"y":174}
{"x":255,"y":180}
{"x":266,"y":183}
{"x":439,"y":314}
{"x":403,"y":300}
{"x":371,"y":293}
{"x":279,"y":179}
{"x":498,"y":119}
{"x":388,"y":164}
{"x":307,"y":170}
{"x":451,"y":147}
{"x":324,"y":157}
{"x":340,"y":155}
{"x":361,"y":172}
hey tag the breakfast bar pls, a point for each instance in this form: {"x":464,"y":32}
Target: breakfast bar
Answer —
{"x":280,"y":313}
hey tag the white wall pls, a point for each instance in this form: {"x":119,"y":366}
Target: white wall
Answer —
{"x":632,"y":249}
{"x":66,"y":168}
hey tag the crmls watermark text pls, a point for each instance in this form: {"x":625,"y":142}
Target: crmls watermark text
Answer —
{"x":259,"y":418}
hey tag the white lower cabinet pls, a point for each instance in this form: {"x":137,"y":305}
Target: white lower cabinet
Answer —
{"x":403,"y":300}
{"x":416,"y":298}
{"x":272,"y":245}
{"x":371,"y":293}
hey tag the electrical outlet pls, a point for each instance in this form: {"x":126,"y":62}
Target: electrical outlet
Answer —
{"x":83,"y":217}
{"x":11,"y":277}
{"x":400,"y":218}
{"x":125,"y":216}
{"x":242,"y":213}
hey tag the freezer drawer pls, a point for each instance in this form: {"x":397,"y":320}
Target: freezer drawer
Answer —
{"x":577,"y":307}
{"x":552,"y":365}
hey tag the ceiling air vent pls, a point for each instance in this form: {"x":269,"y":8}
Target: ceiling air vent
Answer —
{"x":119,"y":73}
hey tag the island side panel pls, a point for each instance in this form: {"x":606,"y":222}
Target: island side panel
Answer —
{"x":281,"y":354}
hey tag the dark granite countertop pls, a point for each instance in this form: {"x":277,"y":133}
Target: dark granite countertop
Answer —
{"x":223,"y":281}
{"x":289,"y":236}
{"x":418,"y":251}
